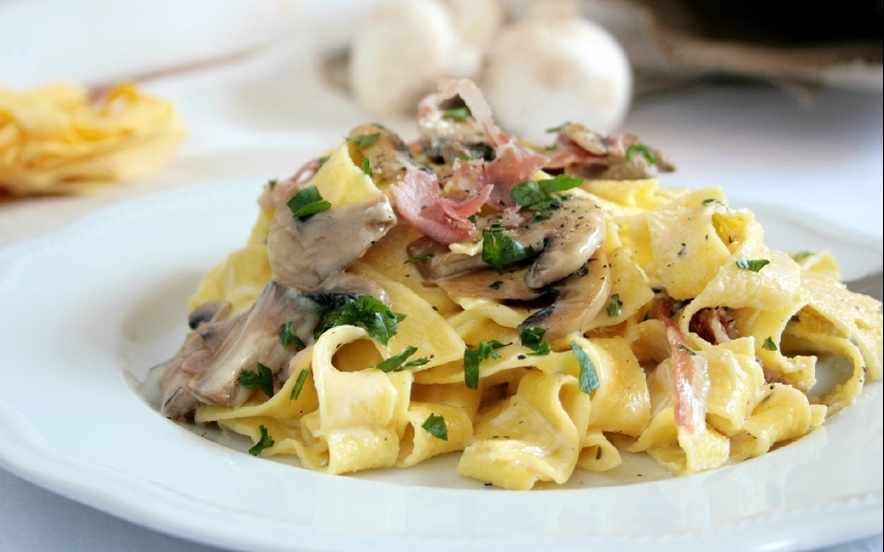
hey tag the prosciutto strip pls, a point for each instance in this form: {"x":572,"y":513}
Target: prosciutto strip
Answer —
{"x":690,"y":384}
{"x":418,"y":200}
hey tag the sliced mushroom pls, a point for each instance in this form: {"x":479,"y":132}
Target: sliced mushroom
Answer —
{"x":303,"y":253}
{"x":487,"y":282}
{"x":254,"y":339}
{"x":578,"y":298}
{"x":389,"y":157}
{"x":564,"y":242}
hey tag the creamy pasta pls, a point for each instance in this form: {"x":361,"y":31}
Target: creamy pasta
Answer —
{"x":536,"y":310}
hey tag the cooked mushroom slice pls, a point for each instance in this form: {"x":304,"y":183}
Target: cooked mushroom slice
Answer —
{"x":193,"y":356}
{"x":255,"y":338}
{"x":566,"y":240}
{"x":578,"y":298}
{"x":388,"y":155}
{"x":303,"y":253}
{"x":208,"y":312}
{"x":509,"y":284}
{"x":439,"y":261}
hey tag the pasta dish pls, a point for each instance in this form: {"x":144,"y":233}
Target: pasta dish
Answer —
{"x":534,"y":309}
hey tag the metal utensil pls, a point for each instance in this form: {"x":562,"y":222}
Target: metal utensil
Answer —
{"x":870,"y":284}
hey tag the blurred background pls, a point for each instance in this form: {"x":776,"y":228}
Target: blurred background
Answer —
{"x":780,"y":102}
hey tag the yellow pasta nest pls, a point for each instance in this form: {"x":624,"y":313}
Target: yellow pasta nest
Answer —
{"x":56,"y":140}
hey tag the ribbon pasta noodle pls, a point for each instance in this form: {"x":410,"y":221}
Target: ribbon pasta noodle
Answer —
{"x":534,"y":310}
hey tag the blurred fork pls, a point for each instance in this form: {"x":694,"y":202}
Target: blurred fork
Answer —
{"x":870,"y":284}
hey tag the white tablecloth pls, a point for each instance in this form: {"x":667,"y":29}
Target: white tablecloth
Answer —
{"x":260,"y":115}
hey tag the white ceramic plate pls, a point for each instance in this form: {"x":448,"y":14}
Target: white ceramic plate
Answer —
{"x":85,"y":313}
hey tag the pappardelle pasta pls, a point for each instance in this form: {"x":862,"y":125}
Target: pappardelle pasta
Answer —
{"x":537,"y":310}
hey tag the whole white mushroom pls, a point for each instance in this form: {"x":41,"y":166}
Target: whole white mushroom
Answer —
{"x":550,"y":68}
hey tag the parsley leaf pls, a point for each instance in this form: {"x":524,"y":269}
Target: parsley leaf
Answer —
{"x":299,"y":384}
{"x":266,"y":441}
{"x":752,"y":264}
{"x":272,"y":183}
{"x":472,"y":358}
{"x":558,"y":128}
{"x":262,"y":379}
{"x":397,"y":362}
{"x":615,"y":305}
{"x":588,"y":381}
{"x":366,"y":166}
{"x":378,"y":320}
{"x":458,"y":113}
{"x":287,"y":335}
{"x":418,"y":258}
{"x":801,"y":255}
{"x":364,"y":140}
{"x":498,"y":249}
{"x":642,"y":149}
{"x":688,"y":350}
{"x":436,"y":426}
{"x":495,"y":285}
{"x":769,"y":344}
{"x":307,"y":203}
{"x":537,"y":195}
{"x":709,"y":200}
{"x":532,"y":338}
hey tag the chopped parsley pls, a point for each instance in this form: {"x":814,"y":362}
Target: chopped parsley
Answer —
{"x":262,"y":379}
{"x":418,"y":258}
{"x":307,"y":203}
{"x":558,"y":128}
{"x":364,"y":140}
{"x":499,"y":250}
{"x":299,"y":384}
{"x":532,"y":338}
{"x":642,"y":149}
{"x":266,"y":441}
{"x":769,"y":344}
{"x":398,"y":362}
{"x":538,"y":195}
{"x":458,"y":113}
{"x":472,"y":358}
{"x":272,"y":183}
{"x":752,"y":264}
{"x":436,"y":426}
{"x":588,"y":380}
{"x":495,"y":285}
{"x":378,"y":320}
{"x":366,"y":166}
{"x":709,"y":200}
{"x":323,"y":159}
{"x":615,"y":305}
{"x":686,"y":349}
{"x":288,"y":336}
{"x":801,"y":255}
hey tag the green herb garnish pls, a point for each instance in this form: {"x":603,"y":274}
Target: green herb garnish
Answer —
{"x":398,"y":362}
{"x":642,"y":149}
{"x":472,"y":358}
{"x":418,"y":258}
{"x":588,"y":381}
{"x":538,"y":195}
{"x":323,"y":159}
{"x":495,"y":285}
{"x":558,"y":128}
{"x":458,"y":113}
{"x":262,"y":379}
{"x":266,"y":441}
{"x":532,"y":338}
{"x":364,"y":140}
{"x":709,"y":200}
{"x":307,"y":203}
{"x":288,"y":336}
{"x":378,"y":320}
{"x":366,"y":166}
{"x":769,"y":344}
{"x":752,"y":264}
{"x":687,"y":350}
{"x":436,"y":426}
{"x":499,"y":250}
{"x":299,"y":384}
{"x":615,"y":305}
{"x":272,"y":183}
{"x":801,"y":255}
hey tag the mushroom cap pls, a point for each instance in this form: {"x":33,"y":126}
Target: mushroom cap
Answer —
{"x":542,"y":73}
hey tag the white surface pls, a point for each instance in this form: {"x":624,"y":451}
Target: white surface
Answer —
{"x":259,"y":118}
{"x":116,"y":283}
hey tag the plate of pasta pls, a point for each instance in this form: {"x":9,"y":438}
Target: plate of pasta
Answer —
{"x":384,"y":350}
